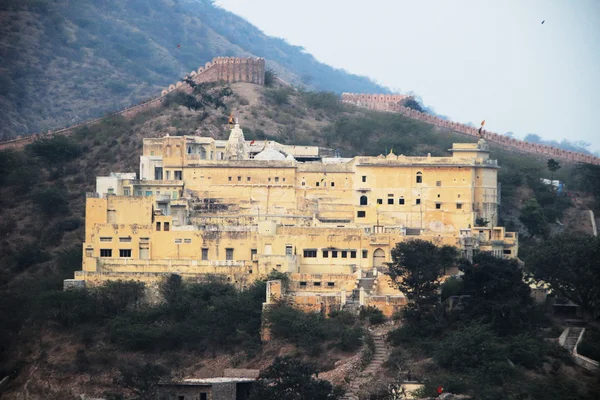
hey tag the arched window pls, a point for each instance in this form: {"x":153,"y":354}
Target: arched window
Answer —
{"x":419,"y":177}
{"x":364,"y":201}
{"x":378,"y":258}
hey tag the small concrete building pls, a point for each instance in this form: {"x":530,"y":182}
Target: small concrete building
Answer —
{"x":223,"y":388}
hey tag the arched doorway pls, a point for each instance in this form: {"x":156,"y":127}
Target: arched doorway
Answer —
{"x":378,"y":258}
{"x":364,"y":200}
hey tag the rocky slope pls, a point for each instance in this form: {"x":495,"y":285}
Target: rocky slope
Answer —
{"x":65,"y":61}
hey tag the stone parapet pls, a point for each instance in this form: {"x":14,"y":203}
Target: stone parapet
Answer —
{"x":395,"y":103}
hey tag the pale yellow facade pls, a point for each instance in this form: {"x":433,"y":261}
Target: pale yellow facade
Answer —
{"x":241,"y":209}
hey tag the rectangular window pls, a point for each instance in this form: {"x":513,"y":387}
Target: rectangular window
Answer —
{"x":203,"y":396}
{"x":365,"y":253}
{"x":138,"y":192}
{"x":418,"y":201}
{"x":126,"y":253}
{"x":364,"y":178}
{"x":438,"y":183}
{"x":361,"y":214}
{"x":188,"y":241}
{"x":379,"y":201}
{"x":390,"y":201}
{"x":344,"y":254}
{"x":353,"y":254}
{"x":310,"y":253}
{"x":317,"y":184}
{"x":419,"y":179}
{"x":106,"y":239}
{"x":317,"y":283}
{"x":332,"y":184}
{"x":158,"y":173}
{"x":166,"y":226}
{"x":288,"y":250}
{"x":330,"y":284}
{"x":89,"y":252}
{"x":174,"y":196}
{"x":177,"y":241}
{"x":253,"y":252}
{"x":325,"y":254}
{"x":148,"y":193}
{"x":508,"y":252}
{"x":178,"y":175}
{"x":158,"y":226}
{"x":125,"y":239}
{"x":302,"y":283}
{"x":390,"y":195}
{"x":204,"y":254}
{"x":239,"y":178}
{"x":438,"y":206}
{"x":168,"y":175}
{"x":276,"y":179}
{"x":229,"y":178}
{"x":401,"y":202}
{"x":459,"y":206}
{"x":303,"y":183}
{"x":334,"y":254}
{"x":105,"y":252}
{"x":248,"y":179}
{"x":126,"y":192}
{"x":229,"y":254}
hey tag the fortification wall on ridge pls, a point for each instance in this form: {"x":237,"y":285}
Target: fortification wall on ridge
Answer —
{"x":374,"y":102}
{"x":221,"y":69}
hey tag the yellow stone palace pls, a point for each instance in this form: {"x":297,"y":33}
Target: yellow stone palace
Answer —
{"x":241,"y":209}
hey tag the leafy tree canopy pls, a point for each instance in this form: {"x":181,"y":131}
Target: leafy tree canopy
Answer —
{"x":291,"y":379}
{"x":570,"y":264}
{"x":416,"y":268}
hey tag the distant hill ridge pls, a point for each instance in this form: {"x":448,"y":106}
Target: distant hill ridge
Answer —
{"x":252,"y":70}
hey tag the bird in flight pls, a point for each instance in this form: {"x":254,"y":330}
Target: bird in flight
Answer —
{"x":543,"y":22}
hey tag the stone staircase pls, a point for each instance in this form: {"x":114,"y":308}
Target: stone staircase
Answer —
{"x":572,"y":337}
{"x":379,"y":357}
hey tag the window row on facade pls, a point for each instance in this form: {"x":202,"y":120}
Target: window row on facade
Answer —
{"x":334,"y":253}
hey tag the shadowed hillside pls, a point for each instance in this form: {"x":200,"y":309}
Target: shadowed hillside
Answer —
{"x":65,"y":61}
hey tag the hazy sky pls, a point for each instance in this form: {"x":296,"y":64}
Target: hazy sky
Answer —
{"x":469,"y":60}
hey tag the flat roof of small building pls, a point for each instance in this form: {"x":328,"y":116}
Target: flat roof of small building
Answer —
{"x":209,"y":381}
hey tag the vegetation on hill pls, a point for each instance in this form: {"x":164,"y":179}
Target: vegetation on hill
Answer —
{"x":41,"y":230}
{"x":67,"y":61}
{"x":490,"y":346}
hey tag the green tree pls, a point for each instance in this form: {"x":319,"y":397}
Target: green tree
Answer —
{"x":412,"y":103}
{"x":553,"y":166}
{"x":534,"y":219}
{"x":270,"y":77}
{"x":51,"y":201}
{"x":291,"y":379}
{"x":416,"y":268}
{"x":500,"y":297}
{"x":570,"y":264}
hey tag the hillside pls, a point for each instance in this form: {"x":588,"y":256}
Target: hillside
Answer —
{"x":65,"y":61}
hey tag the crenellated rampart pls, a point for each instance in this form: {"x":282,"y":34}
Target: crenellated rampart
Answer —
{"x":221,"y":69}
{"x":393,"y":103}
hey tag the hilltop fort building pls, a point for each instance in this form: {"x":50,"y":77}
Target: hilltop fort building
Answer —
{"x":242,"y":208}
